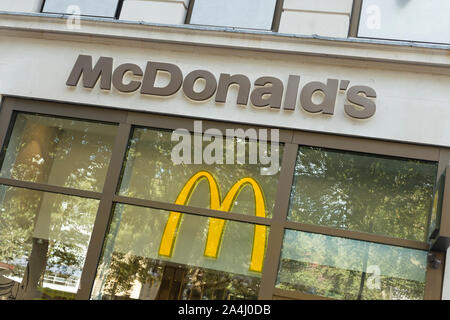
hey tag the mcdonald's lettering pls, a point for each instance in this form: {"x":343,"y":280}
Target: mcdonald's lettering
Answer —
{"x":267,"y":93}
{"x":216,"y":226}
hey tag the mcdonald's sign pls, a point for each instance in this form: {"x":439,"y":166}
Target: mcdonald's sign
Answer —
{"x":216,"y":226}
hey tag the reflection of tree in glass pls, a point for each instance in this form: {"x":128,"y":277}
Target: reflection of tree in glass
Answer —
{"x":48,"y":237}
{"x":173,"y":281}
{"x":135,"y":234}
{"x":53,"y":231}
{"x":59,"y":151}
{"x":150,"y":173}
{"x":344,"y":284}
{"x":375,"y":194}
{"x":335,"y":267}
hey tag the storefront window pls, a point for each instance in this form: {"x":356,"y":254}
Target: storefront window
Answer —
{"x":350,"y":269}
{"x":150,"y":173}
{"x":57,"y":151}
{"x":154,"y":254}
{"x":361,"y":192}
{"x":52,"y":177}
{"x":43,"y":243}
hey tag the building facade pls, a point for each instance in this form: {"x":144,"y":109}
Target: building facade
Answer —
{"x":258,"y":149}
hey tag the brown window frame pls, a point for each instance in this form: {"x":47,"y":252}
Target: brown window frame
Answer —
{"x":354,"y":19}
{"x":291,"y":140}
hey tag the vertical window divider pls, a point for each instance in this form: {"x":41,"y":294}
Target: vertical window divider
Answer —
{"x":6,"y":117}
{"x":104,"y":212}
{"x":118,"y":9}
{"x":42,"y":6}
{"x":434,"y":278}
{"x":275,"y":241}
{"x":189,"y":12}
{"x":354,"y":19}
{"x":277,"y":15}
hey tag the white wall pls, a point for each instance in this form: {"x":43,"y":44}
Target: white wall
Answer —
{"x":411,"y":106}
{"x":321,"y":17}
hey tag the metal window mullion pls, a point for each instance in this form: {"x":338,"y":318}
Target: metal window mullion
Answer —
{"x":189,"y":12}
{"x":354,"y":19}
{"x":163,"y":122}
{"x":118,"y":9}
{"x":297,"y":295}
{"x":434,"y":278}
{"x":49,"y":188}
{"x":66,"y":110}
{"x":275,"y":241}
{"x":42,"y":6}
{"x":444,"y":161}
{"x":277,"y":15}
{"x":104,"y":212}
{"x":198,"y":211}
{"x":365,"y":145}
{"x":6,"y":117}
{"x":357,"y":235}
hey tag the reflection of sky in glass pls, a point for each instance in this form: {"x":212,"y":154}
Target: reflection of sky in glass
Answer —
{"x":104,"y":8}
{"x":413,"y":20}
{"x":234,"y":13}
{"x":35,"y":216}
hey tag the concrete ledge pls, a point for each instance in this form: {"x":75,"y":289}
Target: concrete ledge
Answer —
{"x":398,"y":52}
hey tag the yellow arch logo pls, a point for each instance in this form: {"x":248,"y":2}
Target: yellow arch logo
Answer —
{"x":216,"y":226}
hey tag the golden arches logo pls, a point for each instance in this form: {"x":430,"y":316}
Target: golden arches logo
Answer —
{"x":216,"y":226}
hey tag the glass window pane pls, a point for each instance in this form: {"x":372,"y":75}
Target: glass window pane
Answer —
{"x":411,"y":20}
{"x":43,"y":243}
{"x":61,"y":152}
{"x":153,"y":254}
{"x":350,"y":269}
{"x":247,"y":188}
{"x":104,"y":8}
{"x":362,"y":192}
{"x":252,"y":14}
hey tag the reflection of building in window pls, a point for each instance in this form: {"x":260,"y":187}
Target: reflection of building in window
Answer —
{"x":132,"y":277}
